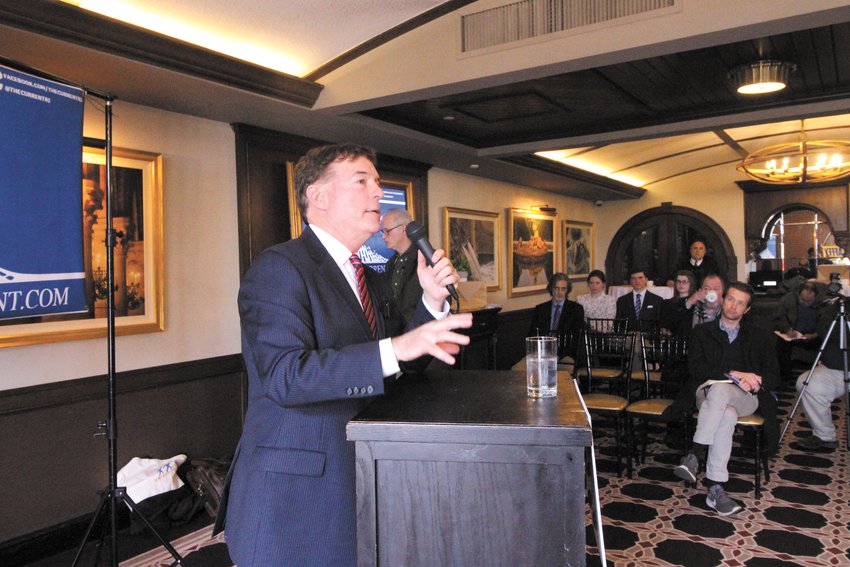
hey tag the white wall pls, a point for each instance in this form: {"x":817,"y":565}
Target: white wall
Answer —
{"x":712,"y":192}
{"x":471,"y":192}
{"x":201,"y":253}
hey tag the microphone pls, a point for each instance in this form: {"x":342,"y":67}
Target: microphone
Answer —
{"x":417,"y":235}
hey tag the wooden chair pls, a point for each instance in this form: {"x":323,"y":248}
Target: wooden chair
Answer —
{"x":607,"y":359}
{"x":660,"y":353}
{"x":754,"y":424}
{"x":570,"y":351}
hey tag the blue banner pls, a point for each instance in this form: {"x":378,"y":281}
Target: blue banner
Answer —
{"x":41,"y":230}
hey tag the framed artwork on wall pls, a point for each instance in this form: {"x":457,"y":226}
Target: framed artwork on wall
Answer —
{"x":137,"y":255}
{"x":579,"y":242}
{"x":473,"y":241}
{"x":532,"y":251}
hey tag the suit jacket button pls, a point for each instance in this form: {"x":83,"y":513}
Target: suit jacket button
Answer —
{"x":369,"y":389}
{"x":356,"y":390}
{"x":349,"y":391}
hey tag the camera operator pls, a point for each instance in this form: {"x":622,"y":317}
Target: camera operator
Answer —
{"x":796,"y":320}
{"x":827,"y":380}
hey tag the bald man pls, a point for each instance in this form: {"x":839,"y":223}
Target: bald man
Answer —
{"x":401,"y":269}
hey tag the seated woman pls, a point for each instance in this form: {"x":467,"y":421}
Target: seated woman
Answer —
{"x":685,"y":284}
{"x":597,"y":304}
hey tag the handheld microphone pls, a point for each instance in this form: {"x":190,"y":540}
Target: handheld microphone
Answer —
{"x":417,"y":235}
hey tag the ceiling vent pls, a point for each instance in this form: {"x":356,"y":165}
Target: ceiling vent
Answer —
{"x":528,"y":19}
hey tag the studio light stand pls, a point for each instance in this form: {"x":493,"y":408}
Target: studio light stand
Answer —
{"x":114,"y":494}
{"x":840,"y":319}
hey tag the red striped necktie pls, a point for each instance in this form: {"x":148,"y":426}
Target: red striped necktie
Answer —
{"x":365,"y":299}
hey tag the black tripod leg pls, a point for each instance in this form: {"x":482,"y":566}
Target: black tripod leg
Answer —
{"x":124,"y":497}
{"x":101,"y":507}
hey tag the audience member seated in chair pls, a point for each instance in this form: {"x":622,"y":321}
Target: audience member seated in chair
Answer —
{"x":597,"y":304}
{"x":559,"y":316}
{"x":728,"y":347}
{"x":797,"y":318}
{"x":826,"y":385}
{"x":640,"y":305}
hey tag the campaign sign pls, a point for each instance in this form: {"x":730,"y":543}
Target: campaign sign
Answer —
{"x":41,"y":231}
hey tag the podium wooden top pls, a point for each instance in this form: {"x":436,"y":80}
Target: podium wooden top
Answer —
{"x":473,"y":406}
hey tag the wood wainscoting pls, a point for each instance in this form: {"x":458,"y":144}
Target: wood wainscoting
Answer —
{"x":53,"y":467}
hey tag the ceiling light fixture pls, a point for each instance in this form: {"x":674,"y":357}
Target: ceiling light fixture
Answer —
{"x":799,"y":162}
{"x":763,"y":76}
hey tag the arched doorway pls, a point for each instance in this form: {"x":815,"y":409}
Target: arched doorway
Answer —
{"x":657,"y":239}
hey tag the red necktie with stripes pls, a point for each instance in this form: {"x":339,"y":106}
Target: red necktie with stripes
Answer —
{"x":365,"y":299}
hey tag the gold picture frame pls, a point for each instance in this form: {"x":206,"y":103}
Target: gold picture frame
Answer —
{"x":473,"y":241}
{"x":138,"y":254}
{"x":579,"y":240}
{"x":533,"y":251}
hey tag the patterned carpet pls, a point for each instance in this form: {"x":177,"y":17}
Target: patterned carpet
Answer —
{"x":653,"y":519}
{"x":802,"y":517}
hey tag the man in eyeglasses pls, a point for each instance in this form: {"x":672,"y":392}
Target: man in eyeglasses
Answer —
{"x":401,"y":269}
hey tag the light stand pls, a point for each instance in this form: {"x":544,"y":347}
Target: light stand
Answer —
{"x":110,"y":497}
{"x":843,"y":326}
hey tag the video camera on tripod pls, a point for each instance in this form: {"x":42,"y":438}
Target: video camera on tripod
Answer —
{"x":834,"y":287}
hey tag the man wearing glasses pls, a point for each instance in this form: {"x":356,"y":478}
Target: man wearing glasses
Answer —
{"x":401,"y":269}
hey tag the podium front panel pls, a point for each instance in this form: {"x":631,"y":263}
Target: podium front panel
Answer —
{"x":462,"y":468}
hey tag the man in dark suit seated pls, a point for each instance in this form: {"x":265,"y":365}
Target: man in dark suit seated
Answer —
{"x":681,"y":314}
{"x":697,"y":262}
{"x":640,"y":305}
{"x":557,"y":316}
{"x":317,"y":346}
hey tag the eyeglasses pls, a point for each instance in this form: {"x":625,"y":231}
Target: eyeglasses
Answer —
{"x":387,"y":231}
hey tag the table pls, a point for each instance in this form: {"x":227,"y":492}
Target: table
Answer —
{"x":462,"y":468}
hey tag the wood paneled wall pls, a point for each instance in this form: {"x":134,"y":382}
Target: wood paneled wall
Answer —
{"x":52,"y":466}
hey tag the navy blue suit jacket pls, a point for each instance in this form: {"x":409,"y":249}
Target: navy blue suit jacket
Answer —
{"x":650,"y":309}
{"x":312,"y":365}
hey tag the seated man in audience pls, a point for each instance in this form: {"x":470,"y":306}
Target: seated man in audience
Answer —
{"x":826,"y":384}
{"x":556,"y":316}
{"x":796,"y":319}
{"x":682,"y":314}
{"x":732,"y":348}
{"x":639,"y":306}
{"x":697,"y":262}
{"x":559,"y":315}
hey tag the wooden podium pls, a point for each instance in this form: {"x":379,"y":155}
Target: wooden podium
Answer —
{"x":462,"y":468}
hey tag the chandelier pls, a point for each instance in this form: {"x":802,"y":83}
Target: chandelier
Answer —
{"x":803,"y":161}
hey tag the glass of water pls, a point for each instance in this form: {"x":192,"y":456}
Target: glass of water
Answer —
{"x":542,"y":366}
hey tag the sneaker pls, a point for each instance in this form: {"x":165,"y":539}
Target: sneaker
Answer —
{"x":815,"y":442}
{"x":720,"y":501}
{"x":688,"y":468}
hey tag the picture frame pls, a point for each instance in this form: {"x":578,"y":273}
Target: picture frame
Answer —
{"x":579,"y":240}
{"x":533,"y":251}
{"x":138,"y":254}
{"x":473,"y":240}
{"x":374,"y":251}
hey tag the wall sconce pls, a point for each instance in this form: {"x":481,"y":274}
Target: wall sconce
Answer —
{"x":544,"y":209}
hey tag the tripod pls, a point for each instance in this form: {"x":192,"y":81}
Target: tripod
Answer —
{"x":110,"y":497}
{"x":843,"y":327}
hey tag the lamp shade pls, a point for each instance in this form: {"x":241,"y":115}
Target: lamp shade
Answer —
{"x":764,"y":76}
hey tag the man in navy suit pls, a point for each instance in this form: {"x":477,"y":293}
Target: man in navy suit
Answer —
{"x":316,"y":349}
{"x":640,"y":304}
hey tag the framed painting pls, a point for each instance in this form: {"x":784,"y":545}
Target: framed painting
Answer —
{"x":374,"y":252}
{"x":137,"y":255}
{"x":532,"y":251}
{"x":579,"y":246}
{"x":473,"y":240}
